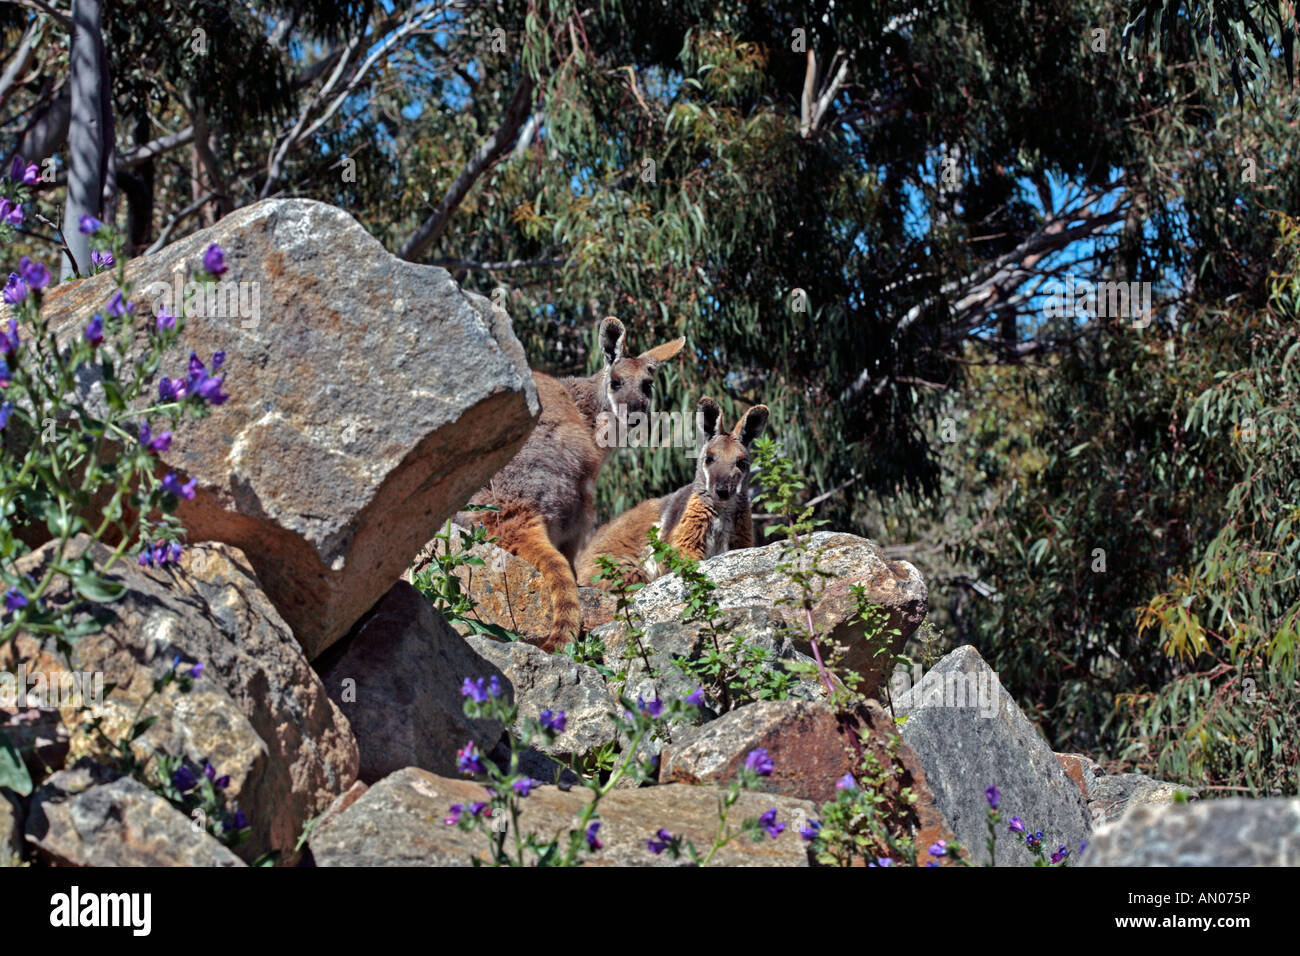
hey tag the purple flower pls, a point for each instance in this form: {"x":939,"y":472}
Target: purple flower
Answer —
{"x":184,"y":779}
{"x":469,"y":760}
{"x":15,"y":289}
{"x":21,"y":171}
{"x":5,"y":375}
{"x":196,"y":671}
{"x":155,"y":443}
{"x":768,"y":822}
{"x":552,"y":721}
{"x":1034,"y":840}
{"x":214,"y":260}
{"x":882,"y":861}
{"x":697,"y":697}
{"x":939,"y":848}
{"x":14,"y":600}
{"x":9,"y":341}
{"x":119,"y":306}
{"x":651,"y":708}
{"x":993,"y":796}
{"x":1060,"y":854}
{"x":7,"y":408}
{"x":237,"y":822}
{"x":11,"y":212}
{"x":810,"y":830}
{"x":453,"y":817}
{"x":759,"y":762}
{"x":592,"y":842}
{"x":846,"y":782}
{"x":171,"y":389}
{"x":525,"y":786}
{"x":34,"y":273}
{"x":659,"y":842}
{"x":89,"y":224}
{"x":174,"y":552}
{"x":95,"y":330}
{"x":1083,"y":845}
{"x":165,"y":320}
{"x":210,"y":772}
{"x":1016,"y":826}
{"x":476,"y":690}
{"x":101,"y":260}
{"x":202,"y":384}
{"x":173,"y":485}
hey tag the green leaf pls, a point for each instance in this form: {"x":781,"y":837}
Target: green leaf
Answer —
{"x":13,"y":772}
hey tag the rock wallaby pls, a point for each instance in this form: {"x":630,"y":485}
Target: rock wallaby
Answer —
{"x":546,"y":494}
{"x":705,"y":518}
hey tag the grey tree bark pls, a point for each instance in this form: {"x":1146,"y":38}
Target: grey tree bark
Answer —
{"x":89,"y":130}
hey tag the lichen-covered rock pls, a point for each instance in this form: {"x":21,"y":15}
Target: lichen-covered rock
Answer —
{"x":753,"y":577}
{"x":1109,"y":795}
{"x":1234,"y":832}
{"x":540,"y":681}
{"x":369,"y":398}
{"x":399,"y":822}
{"x":258,"y":712}
{"x":969,"y":734}
{"x":86,"y":816}
{"x":398,"y":680}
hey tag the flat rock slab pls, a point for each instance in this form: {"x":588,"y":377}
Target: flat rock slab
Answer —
{"x":398,"y":822}
{"x":753,"y":576}
{"x":969,"y":734}
{"x":1234,"y":832}
{"x":78,"y":818}
{"x":258,"y":712}
{"x":369,"y":398}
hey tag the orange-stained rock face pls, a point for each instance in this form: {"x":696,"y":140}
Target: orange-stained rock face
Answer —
{"x":369,"y":398}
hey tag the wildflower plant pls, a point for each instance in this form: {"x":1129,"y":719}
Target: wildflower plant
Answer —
{"x":497,"y":815}
{"x":72,"y":462}
{"x":439,"y":582}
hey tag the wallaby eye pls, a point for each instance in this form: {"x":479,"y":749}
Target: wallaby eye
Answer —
{"x":616,"y":384}
{"x":708,"y":459}
{"x":742,"y":464}
{"x":647,"y":387}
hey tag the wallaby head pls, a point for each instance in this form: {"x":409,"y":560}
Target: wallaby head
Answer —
{"x":627,"y":383}
{"x":722,"y":470}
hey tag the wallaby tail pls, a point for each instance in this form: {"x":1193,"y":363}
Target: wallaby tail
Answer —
{"x":531,"y":542}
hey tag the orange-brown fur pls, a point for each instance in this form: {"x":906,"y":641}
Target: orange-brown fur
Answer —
{"x":705,"y":518}
{"x":546,"y":494}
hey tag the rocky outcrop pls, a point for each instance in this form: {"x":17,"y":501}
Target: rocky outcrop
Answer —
{"x":11,"y":831}
{"x":1110,"y":795}
{"x":969,"y":734}
{"x":258,"y":712}
{"x":538,"y":681}
{"x":398,"y":680}
{"x":86,"y":817}
{"x":369,"y":398}
{"x":1234,"y":832}
{"x":399,"y":822}
{"x":754,"y":577}
{"x":509,"y":592}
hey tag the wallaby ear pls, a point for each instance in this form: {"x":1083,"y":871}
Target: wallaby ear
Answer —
{"x":751,"y":425}
{"x":662,"y":353}
{"x":612,"y":335}
{"x":706,"y":419}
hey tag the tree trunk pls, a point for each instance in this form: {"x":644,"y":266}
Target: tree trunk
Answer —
{"x":88,"y":130}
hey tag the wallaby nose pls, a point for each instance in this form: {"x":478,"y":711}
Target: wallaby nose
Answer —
{"x":724,"y":492}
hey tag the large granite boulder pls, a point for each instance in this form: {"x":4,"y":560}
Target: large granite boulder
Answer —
{"x":399,"y":822}
{"x":754,"y":576}
{"x":398,"y":678}
{"x":969,"y":734}
{"x":258,"y":712}
{"x":1233,"y":832}
{"x":86,"y":816}
{"x":369,"y":398}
